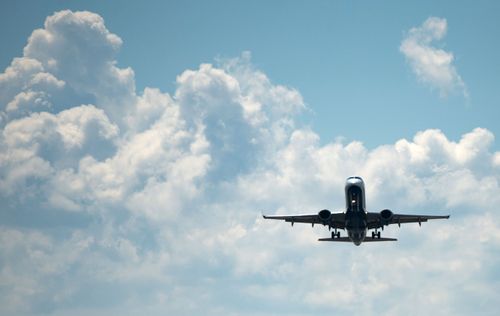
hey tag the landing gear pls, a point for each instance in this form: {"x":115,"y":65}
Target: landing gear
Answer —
{"x":335,"y":234}
{"x":376,"y":234}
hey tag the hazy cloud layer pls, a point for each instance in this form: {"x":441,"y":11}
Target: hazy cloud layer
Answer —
{"x":432,"y":65}
{"x":117,"y":201}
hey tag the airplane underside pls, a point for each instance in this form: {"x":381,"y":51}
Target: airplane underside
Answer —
{"x":356,"y":219}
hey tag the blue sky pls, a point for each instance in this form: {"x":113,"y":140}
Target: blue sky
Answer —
{"x":140,"y":143}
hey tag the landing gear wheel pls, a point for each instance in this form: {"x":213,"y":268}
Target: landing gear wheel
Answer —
{"x":373,"y":235}
{"x":378,"y":235}
{"x":335,"y":234}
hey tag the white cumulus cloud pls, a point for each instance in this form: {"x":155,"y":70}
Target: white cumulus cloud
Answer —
{"x":432,"y":65}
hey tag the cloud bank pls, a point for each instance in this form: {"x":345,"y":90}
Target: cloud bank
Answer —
{"x":118,"y":201}
{"x":433,"y":66}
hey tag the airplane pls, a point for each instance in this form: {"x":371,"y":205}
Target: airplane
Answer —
{"x":356,"y":220}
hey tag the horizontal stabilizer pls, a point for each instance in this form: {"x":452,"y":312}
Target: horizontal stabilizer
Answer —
{"x":346,"y":239}
{"x":343,"y":239}
{"x":368,"y":239}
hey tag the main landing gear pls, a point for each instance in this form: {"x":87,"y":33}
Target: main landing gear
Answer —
{"x":335,"y":233}
{"x":376,"y":233}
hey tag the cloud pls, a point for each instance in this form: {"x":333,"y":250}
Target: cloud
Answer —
{"x":433,"y":66}
{"x":149,"y":202}
{"x":71,"y":61}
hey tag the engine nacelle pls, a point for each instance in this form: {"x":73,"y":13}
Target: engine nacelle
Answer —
{"x":325,"y":216}
{"x":386,"y":216}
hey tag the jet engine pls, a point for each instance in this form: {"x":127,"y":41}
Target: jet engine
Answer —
{"x":325,"y":216}
{"x":386,"y":216}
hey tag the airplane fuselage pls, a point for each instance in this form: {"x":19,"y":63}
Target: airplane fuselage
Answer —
{"x":355,"y":216}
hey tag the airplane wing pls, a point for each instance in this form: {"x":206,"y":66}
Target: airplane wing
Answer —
{"x":335,"y":220}
{"x":378,"y":220}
